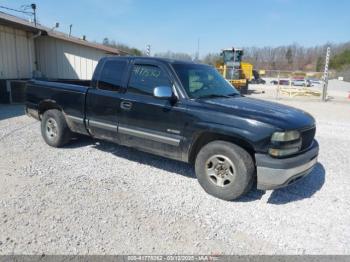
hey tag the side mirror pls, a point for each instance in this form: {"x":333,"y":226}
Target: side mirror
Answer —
{"x":163,"y":92}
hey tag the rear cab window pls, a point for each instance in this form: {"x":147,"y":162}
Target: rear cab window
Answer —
{"x":112,"y":75}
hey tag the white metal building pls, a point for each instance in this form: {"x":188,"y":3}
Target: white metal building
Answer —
{"x":25,"y":48}
{"x":16,"y":53}
{"x":61,"y":59}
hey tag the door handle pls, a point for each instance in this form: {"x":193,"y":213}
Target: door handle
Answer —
{"x":125,"y":105}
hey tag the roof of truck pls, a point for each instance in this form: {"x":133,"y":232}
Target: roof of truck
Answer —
{"x":159,"y":59}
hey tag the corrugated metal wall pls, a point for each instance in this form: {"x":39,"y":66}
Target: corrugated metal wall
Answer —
{"x":61,"y":59}
{"x":16,"y":53}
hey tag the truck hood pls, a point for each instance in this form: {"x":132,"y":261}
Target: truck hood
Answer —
{"x":275,"y":114}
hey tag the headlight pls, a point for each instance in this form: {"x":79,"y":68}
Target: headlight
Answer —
{"x":285,"y":136}
{"x":285,"y":143}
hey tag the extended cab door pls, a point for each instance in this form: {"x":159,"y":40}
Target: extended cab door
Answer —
{"x":146,"y":122}
{"x":103,"y":101}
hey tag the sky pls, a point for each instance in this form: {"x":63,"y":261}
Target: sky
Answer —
{"x":177,"y":25}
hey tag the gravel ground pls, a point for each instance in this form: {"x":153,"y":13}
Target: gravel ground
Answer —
{"x":94,"y":197}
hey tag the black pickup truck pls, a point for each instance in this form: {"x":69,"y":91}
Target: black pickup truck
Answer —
{"x":184,"y":111}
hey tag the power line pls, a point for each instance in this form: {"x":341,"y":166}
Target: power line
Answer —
{"x":32,"y":6}
{"x":15,"y":10}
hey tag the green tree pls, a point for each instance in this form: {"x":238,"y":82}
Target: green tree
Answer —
{"x":289,"y":56}
{"x":123,"y":47}
{"x":340,"y":60}
{"x":320,"y":64}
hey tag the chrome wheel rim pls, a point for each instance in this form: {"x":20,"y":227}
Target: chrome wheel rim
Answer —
{"x":220,"y":170}
{"x":51,"y":128}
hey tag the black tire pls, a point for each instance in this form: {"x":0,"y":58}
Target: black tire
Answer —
{"x":241,"y":175}
{"x":54,"y":128}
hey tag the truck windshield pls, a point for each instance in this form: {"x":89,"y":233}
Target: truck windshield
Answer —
{"x":202,"y":81}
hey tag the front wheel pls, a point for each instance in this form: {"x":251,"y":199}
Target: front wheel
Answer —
{"x":54,"y":128}
{"x":224,"y":170}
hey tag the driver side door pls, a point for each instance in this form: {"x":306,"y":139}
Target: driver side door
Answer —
{"x":148,"y":123}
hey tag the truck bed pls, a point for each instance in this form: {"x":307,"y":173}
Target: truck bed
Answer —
{"x":69,"y":94}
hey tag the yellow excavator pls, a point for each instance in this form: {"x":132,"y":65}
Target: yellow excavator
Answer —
{"x":235,"y":71}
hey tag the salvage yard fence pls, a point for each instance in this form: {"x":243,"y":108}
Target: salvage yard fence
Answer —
{"x":294,"y":83}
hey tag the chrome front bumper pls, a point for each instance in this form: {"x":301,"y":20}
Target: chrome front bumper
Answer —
{"x":274,"y":173}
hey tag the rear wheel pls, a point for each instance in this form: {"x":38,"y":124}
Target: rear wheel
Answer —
{"x":224,"y":170}
{"x":54,"y":128}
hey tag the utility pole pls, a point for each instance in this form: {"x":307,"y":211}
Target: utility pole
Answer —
{"x":33,"y":6}
{"x":148,"y":50}
{"x":325,"y":76}
{"x":198,"y":42}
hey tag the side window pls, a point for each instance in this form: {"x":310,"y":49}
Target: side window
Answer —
{"x":111,"y":75}
{"x":144,"y":78}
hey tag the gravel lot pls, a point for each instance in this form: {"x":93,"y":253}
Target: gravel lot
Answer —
{"x":94,"y":197}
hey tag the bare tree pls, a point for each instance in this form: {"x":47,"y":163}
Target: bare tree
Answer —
{"x":291,"y":57}
{"x":174,"y":55}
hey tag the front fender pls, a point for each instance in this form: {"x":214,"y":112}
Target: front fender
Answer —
{"x":254,"y":134}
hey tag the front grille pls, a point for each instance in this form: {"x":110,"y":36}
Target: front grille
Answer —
{"x":307,"y":136}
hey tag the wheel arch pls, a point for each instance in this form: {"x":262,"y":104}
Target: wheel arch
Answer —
{"x":204,"y":138}
{"x":47,"y":105}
